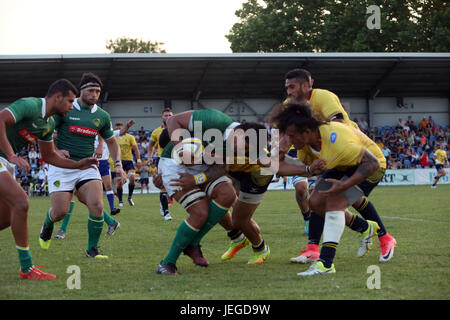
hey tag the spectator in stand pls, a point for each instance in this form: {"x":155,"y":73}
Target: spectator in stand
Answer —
{"x":402,"y":125}
{"x":33,"y":157}
{"x":141,"y":132}
{"x":379,"y":143}
{"x":415,"y":161}
{"x":144,"y":145}
{"x":387,"y":154}
{"x":410,"y":123}
{"x":363,"y":125}
{"x":424,"y":160}
{"x":411,"y":138}
{"x":423,"y":124}
{"x":391,"y":140}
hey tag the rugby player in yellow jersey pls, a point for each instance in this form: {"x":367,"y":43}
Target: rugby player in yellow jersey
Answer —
{"x":154,"y":144}
{"x":440,"y":159}
{"x":127,"y":144}
{"x":355,"y":165}
{"x":326,"y":106}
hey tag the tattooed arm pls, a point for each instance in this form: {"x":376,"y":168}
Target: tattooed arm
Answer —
{"x":368,"y":165}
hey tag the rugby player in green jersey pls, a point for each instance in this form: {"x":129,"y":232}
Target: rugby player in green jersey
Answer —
{"x":76,"y":134}
{"x":26,"y":121}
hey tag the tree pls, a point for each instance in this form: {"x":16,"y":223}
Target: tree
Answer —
{"x":129,"y":45}
{"x":340,"y":26}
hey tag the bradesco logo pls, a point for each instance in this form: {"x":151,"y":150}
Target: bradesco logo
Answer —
{"x":27,"y":136}
{"x":83,"y":131}
{"x":234,"y":146}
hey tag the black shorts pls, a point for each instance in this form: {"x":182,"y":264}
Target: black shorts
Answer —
{"x":252,"y":182}
{"x":127,"y":165}
{"x":354,"y":193}
{"x":439,"y":167}
{"x":144,"y":180}
{"x":156,"y":161}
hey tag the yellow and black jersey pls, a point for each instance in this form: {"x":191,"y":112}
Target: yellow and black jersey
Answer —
{"x":342,"y":147}
{"x":126,"y":143}
{"x":154,"y":138}
{"x":326,"y":106}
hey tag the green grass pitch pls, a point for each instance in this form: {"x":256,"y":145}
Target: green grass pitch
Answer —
{"x":417,"y":216}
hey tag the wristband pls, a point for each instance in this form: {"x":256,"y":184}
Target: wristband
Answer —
{"x":200,"y":178}
{"x":12,"y":156}
{"x":308,"y":170}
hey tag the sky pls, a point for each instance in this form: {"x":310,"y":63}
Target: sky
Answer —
{"x":84,"y":26}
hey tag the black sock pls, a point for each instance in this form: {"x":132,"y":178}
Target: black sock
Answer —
{"x":119,"y":193}
{"x":358,"y":224}
{"x":164,"y":199}
{"x":259,"y":247}
{"x":130,"y":190}
{"x":327,"y":253}
{"x":436,"y":179}
{"x":316,"y":224}
{"x":307,"y":215}
{"x":368,"y":212}
{"x":234,"y":234}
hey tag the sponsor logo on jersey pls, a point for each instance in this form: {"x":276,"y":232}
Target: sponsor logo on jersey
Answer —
{"x":83,"y":131}
{"x":73,"y":118}
{"x":57,"y":183}
{"x":333,"y":137}
{"x":27,"y":136}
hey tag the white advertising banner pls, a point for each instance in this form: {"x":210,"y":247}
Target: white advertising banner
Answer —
{"x":426,"y":176}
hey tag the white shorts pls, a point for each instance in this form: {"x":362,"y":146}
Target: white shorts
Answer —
{"x":169,"y":170}
{"x":60,"y":179}
{"x":6,"y":166}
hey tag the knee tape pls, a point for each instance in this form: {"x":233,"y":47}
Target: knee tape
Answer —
{"x":191,"y":198}
{"x":213,"y":184}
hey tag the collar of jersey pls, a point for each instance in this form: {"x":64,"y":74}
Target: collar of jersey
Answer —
{"x":79,"y":106}
{"x":43,"y":110}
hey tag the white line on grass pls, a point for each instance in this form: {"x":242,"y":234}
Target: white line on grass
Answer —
{"x":403,"y":218}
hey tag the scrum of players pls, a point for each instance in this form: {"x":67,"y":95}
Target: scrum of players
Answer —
{"x":312,"y":138}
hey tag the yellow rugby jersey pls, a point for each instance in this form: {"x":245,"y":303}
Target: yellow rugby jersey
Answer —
{"x":325,"y":105}
{"x":441,"y":156}
{"x":152,"y":170}
{"x":242,"y":164}
{"x":126,"y":142}
{"x":111,"y":164}
{"x":342,"y":147}
{"x":155,"y":139}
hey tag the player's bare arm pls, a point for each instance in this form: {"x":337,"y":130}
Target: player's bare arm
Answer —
{"x":52,"y":157}
{"x":297,"y":168}
{"x":187,"y":181}
{"x":114,"y":151}
{"x":368,"y":165}
{"x":7,"y":119}
{"x":178,"y":121}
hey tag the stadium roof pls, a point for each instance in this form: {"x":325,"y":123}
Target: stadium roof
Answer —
{"x":245,"y":75}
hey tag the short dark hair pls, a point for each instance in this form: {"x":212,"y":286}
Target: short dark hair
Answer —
{"x":167,"y":110}
{"x":90,"y":77}
{"x":299,"y":115}
{"x":62,"y":85}
{"x":261,"y":145}
{"x":300,"y":74}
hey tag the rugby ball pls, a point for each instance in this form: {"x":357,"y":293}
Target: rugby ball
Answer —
{"x":188,"y":152}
